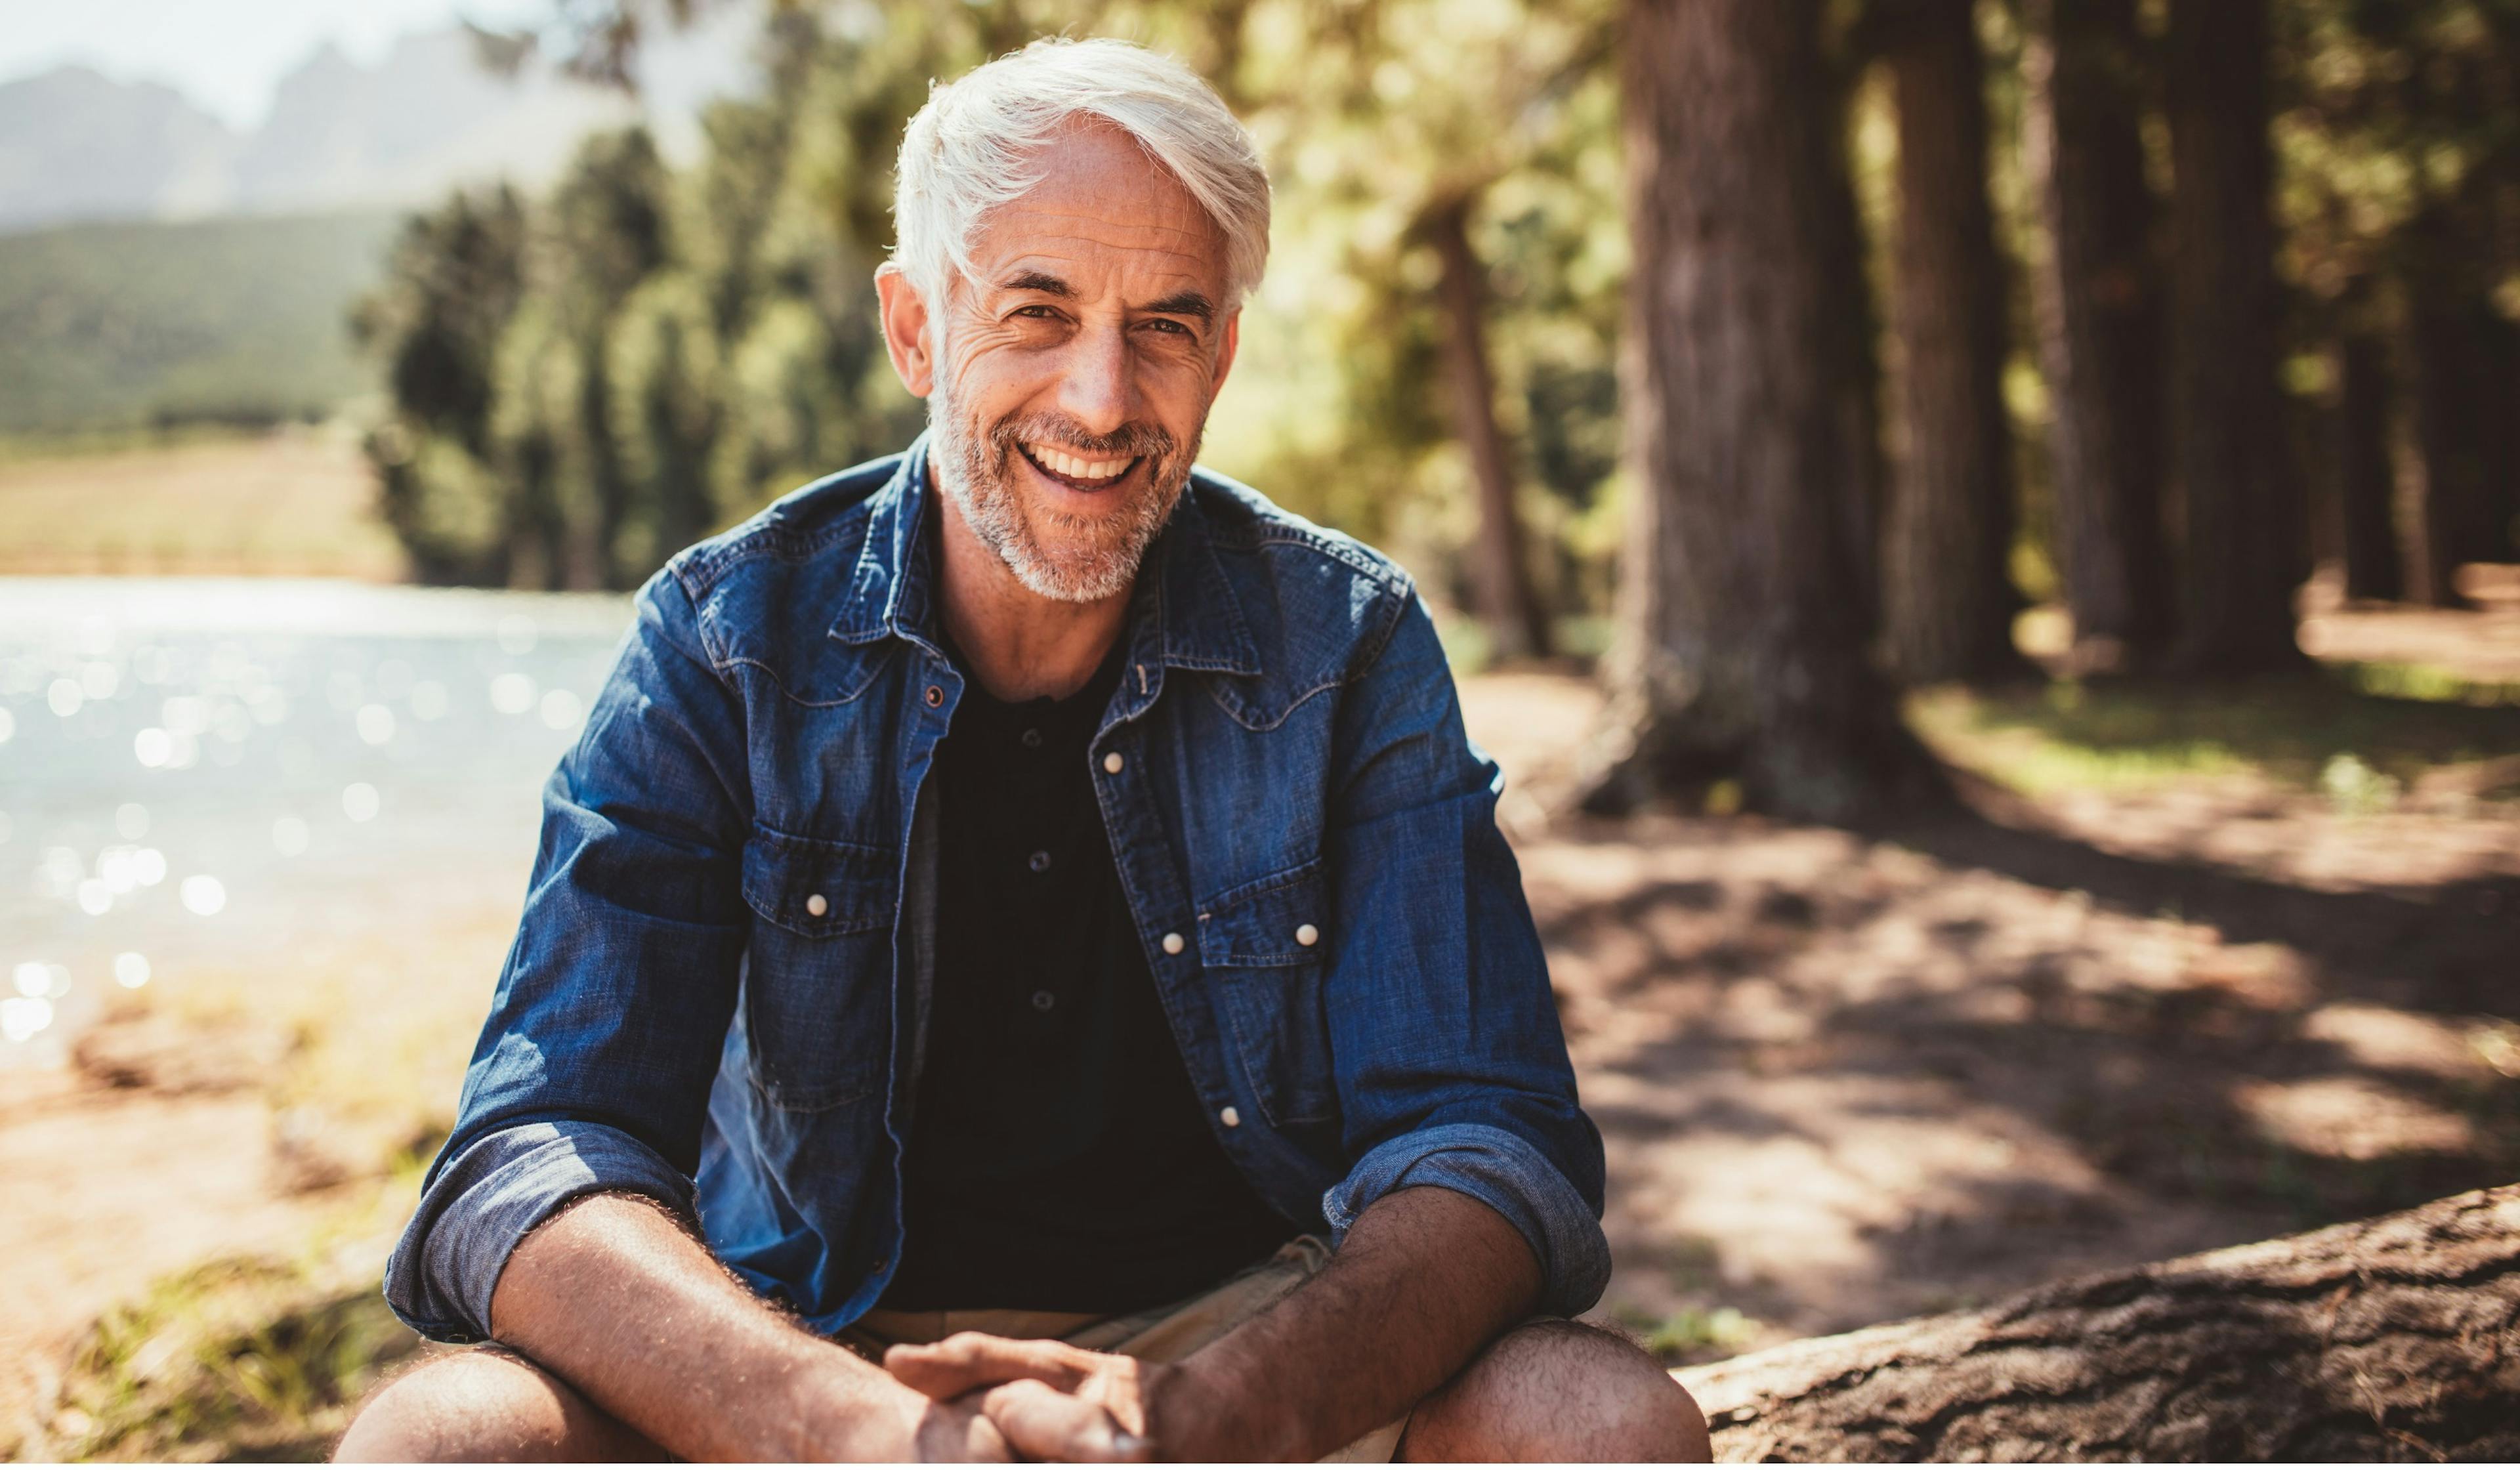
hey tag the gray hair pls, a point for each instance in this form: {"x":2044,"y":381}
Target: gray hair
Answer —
{"x":978,"y":142}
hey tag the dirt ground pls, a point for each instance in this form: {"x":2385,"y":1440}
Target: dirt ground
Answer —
{"x":1842,"y":1076}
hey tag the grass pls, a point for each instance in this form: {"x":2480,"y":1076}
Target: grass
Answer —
{"x":294,"y":501}
{"x":2357,"y":733}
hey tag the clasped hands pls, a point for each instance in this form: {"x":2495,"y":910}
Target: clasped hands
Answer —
{"x":1046,"y":1400}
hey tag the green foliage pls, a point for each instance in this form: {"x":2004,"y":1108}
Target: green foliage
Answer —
{"x":126,"y":326}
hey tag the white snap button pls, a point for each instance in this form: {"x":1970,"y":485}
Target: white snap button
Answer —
{"x":1113,"y":763}
{"x":817,"y":906}
{"x":1230,"y":1117}
{"x":1171,"y":944}
{"x":1307,"y":936}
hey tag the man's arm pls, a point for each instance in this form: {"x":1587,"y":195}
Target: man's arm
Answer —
{"x":615,"y":1297}
{"x":1427,"y":1278}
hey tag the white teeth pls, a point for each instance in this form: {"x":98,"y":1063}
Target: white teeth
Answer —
{"x":1074,"y":467}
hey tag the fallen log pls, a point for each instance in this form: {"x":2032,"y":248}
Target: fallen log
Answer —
{"x":2395,"y":1338}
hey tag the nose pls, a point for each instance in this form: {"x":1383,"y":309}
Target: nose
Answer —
{"x":1093,"y":383}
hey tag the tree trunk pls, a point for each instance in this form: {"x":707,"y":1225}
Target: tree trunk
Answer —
{"x":1743,"y":647}
{"x":1950,"y":600}
{"x":2367,"y":482}
{"x":1500,"y":558}
{"x":2458,"y":372}
{"x":2391,"y":1339}
{"x":2226,"y":425}
{"x":2098,"y":296}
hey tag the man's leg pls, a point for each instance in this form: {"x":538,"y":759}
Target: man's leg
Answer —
{"x":487,"y":1404}
{"x":1558,"y":1391}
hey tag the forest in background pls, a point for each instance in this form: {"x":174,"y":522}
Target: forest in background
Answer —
{"x":2138,"y":307}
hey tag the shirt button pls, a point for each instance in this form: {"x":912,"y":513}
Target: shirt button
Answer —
{"x":1171,"y":944}
{"x":1307,"y":936}
{"x":1032,"y":739}
{"x":1040,"y":862}
{"x":1230,"y":1117}
{"x":817,"y":906}
{"x":1113,"y":763}
{"x":936,"y":697}
{"x":1042,"y":1000}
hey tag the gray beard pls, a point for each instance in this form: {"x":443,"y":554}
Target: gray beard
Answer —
{"x":1100,"y":557}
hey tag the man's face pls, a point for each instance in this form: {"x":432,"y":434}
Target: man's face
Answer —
{"x":1076,"y":367}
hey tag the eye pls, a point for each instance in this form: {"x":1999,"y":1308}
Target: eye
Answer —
{"x":1166,"y":324}
{"x":1038,"y":312}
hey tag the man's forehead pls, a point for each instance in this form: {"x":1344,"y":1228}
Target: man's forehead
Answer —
{"x":1101,"y":208}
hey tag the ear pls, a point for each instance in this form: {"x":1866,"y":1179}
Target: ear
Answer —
{"x":905,"y":330}
{"x":1225,"y":359}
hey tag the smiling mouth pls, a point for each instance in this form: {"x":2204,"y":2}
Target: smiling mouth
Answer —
{"x":1076,"y":471}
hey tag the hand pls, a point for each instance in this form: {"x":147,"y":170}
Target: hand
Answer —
{"x":943,"y":1431}
{"x":1051,"y":1402}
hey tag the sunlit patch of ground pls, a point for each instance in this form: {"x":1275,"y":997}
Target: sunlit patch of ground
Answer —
{"x":294,"y":502}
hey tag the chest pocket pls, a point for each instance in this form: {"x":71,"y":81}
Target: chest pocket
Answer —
{"x":1262,"y":946}
{"x":819,"y":968}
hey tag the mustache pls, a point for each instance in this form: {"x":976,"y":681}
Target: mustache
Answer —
{"x":1134,"y":440}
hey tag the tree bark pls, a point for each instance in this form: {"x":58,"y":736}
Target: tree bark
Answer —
{"x":2390,"y":1339}
{"x":1500,"y":558}
{"x":2367,"y":479}
{"x":1743,"y":627}
{"x":1950,"y":600}
{"x":2226,"y":425}
{"x":2100,"y":340}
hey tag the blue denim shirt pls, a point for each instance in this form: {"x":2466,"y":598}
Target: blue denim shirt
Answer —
{"x":716,"y":997}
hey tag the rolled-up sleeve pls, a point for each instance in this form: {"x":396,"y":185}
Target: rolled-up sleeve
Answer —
{"x":1451,"y":1064}
{"x":592,"y":1070}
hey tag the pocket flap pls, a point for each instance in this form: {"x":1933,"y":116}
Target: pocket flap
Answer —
{"x":1280,"y":919}
{"x":817,"y":888}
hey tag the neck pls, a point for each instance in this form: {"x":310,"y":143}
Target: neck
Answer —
{"x":1019,"y":644}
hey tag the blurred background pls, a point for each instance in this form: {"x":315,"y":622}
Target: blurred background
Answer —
{"x":357,"y":358}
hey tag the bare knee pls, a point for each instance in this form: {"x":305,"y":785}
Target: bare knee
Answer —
{"x":1558,"y":1391}
{"x":486,"y":1404}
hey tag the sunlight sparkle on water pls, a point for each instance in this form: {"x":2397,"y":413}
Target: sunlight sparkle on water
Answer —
{"x":149,"y":865}
{"x":360,"y":801}
{"x":21,"y":1016}
{"x":154,"y":747}
{"x":130,"y":969}
{"x":131,"y":820}
{"x":205,"y":895}
{"x":8,"y":725}
{"x":428,"y":700}
{"x":515,"y":635}
{"x":95,"y":895}
{"x":64,"y":698}
{"x":376,"y":723}
{"x":512,"y":694}
{"x":562,"y":711}
{"x":288,"y":837}
{"x":32,"y":977}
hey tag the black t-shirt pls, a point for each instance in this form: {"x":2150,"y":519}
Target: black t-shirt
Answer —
{"x":1057,"y":1160}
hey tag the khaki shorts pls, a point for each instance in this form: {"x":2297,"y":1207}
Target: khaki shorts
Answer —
{"x":1158,"y":1334}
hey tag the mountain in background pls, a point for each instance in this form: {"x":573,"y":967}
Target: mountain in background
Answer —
{"x":76,"y":145}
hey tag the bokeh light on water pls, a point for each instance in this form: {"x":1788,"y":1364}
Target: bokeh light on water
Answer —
{"x":202,"y":774}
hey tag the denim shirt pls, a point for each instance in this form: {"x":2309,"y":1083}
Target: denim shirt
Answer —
{"x":717,"y":995}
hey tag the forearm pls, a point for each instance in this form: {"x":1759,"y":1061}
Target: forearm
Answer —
{"x":614,"y":1295}
{"x":1426,"y":1278}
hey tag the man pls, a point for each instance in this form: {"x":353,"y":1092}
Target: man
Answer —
{"x":1028,"y":910}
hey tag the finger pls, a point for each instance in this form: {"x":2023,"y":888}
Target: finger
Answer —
{"x":1044,"y":1424}
{"x":970,"y":1360}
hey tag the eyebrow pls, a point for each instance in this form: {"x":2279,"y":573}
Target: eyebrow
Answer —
{"x":1184,"y":303}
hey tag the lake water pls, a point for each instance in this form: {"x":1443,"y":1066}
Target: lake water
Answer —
{"x":213,"y":773}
